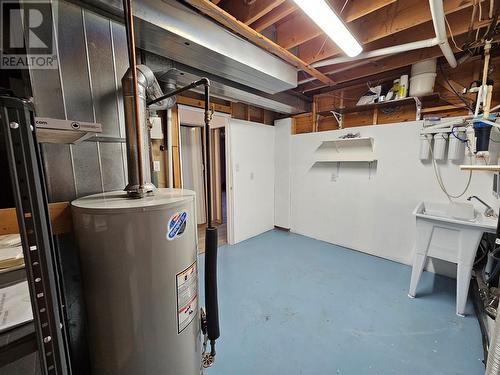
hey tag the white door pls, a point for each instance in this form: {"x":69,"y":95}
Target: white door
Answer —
{"x":192,"y":167}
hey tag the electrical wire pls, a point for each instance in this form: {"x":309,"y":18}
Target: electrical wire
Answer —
{"x":440,"y":179}
{"x":468,"y":105}
{"x":451,"y":34}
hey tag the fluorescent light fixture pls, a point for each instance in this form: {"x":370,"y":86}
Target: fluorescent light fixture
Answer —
{"x":326,"y":19}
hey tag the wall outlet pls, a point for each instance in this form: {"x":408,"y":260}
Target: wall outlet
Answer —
{"x":156,"y":166}
{"x":334,"y":177}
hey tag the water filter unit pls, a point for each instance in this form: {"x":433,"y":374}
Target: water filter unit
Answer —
{"x":140,"y":278}
{"x":439,"y":149}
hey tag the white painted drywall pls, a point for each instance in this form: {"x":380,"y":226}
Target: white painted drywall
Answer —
{"x":252,"y":163}
{"x":282,"y":164}
{"x":371,"y":212}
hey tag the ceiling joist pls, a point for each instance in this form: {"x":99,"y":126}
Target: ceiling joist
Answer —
{"x":227,"y":20}
{"x":275,"y":15}
{"x":249,"y":11}
{"x":394,"y":18}
{"x":459,"y":22}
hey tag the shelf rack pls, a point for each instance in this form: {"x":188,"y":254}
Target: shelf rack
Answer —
{"x":346,"y":150}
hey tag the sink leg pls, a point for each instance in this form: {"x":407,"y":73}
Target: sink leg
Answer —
{"x":416,"y":272}
{"x":464,"y":272}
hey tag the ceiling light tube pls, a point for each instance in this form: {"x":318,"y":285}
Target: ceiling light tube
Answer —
{"x":326,"y":19}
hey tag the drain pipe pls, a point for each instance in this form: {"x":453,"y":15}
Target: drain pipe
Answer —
{"x":212,"y":330}
{"x":380,"y":52}
{"x":441,"y":40}
{"x":438,"y":20}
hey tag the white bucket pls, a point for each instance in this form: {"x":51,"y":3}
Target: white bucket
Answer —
{"x":422,"y":84}
{"x":426,"y":66}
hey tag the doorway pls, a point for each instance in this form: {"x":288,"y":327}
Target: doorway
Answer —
{"x":193,"y":165}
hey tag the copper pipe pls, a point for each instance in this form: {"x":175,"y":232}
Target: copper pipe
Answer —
{"x":129,"y":25}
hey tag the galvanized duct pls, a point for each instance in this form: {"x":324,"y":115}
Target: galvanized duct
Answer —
{"x":148,"y":87}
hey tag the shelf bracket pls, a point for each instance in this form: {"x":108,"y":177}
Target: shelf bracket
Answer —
{"x":418,"y":105}
{"x":338,"y":117}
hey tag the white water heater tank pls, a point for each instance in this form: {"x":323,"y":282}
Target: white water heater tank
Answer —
{"x":140,"y":279}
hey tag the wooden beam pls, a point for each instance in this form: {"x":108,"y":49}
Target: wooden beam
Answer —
{"x":60,"y":218}
{"x":274,"y":16}
{"x":233,"y":24}
{"x":402,"y":15}
{"x":201,"y":104}
{"x":248,"y":12}
{"x":301,"y":28}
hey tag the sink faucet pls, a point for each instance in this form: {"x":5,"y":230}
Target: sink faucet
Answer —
{"x":489,"y":212}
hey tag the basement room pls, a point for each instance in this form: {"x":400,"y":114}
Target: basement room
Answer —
{"x":249,"y":187}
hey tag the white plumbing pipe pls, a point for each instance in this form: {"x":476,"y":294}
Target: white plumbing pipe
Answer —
{"x":438,"y":20}
{"x":441,"y":39}
{"x":380,"y":52}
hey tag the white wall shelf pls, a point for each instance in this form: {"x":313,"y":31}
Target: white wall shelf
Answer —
{"x":346,"y":150}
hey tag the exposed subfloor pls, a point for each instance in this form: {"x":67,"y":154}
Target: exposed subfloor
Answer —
{"x":294,"y":305}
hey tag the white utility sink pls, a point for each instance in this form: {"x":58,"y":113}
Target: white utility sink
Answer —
{"x":440,"y":235}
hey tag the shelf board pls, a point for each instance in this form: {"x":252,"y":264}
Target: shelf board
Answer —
{"x":391,"y":103}
{"x":351,"y":142}
{"x":484,"y":168}
{"x":347,"y":159}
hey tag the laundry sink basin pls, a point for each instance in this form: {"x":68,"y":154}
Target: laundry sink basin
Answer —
{"x":442,"y":235}
{"x":439,"y":211}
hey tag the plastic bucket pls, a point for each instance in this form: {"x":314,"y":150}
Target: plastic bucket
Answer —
{"x":426,"y":66}
{"x":422,"y":84}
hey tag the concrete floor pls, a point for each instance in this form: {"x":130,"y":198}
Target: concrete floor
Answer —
{"x":293,"y":305}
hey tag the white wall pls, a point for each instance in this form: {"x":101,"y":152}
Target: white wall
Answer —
{"x":372,"y":213}
{"x":282,"y":164}
{"x":252,"y":161}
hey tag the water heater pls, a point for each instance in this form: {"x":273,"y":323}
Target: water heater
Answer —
{"x":140,"y":276}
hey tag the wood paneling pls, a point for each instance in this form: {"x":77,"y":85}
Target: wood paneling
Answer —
{"x":60,"y":218}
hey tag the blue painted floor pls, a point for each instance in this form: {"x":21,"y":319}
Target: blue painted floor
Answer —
{"x":294,"y":305}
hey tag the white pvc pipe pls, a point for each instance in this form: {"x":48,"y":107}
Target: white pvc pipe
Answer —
{"x":380,"y":52}
{"x":441,"y":39}
{"x":438,"y":20}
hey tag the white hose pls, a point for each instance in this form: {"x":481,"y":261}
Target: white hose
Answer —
{"x":440,"y":179}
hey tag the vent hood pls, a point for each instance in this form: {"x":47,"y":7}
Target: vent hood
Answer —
{"x":170,"y":29}
{"x":50,"y":130}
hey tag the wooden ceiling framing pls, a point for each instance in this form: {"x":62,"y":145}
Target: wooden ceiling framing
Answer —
{"x":375,"y":24}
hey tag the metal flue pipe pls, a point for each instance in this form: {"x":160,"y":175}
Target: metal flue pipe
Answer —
{"x":129,"y":26}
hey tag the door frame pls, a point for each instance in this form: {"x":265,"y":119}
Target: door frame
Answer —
{"x":195,"y":117}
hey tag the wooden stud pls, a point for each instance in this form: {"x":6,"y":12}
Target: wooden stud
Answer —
{"x":258,"y":39}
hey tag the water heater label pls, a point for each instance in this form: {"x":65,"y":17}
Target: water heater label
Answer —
{"x":176,"y":225}
{"x":187,"y":296}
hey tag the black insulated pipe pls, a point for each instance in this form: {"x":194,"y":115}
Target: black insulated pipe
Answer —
{"x":211,"y":300}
